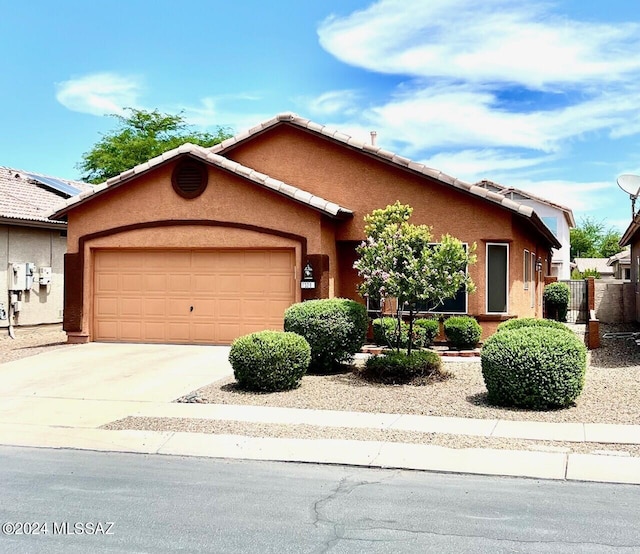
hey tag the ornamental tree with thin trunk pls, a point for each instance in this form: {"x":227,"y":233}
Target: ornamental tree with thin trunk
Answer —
{"x":399,"y":260}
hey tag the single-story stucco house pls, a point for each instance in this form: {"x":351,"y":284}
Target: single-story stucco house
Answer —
{"x":204,"y":245}
{"x":32,"y":246}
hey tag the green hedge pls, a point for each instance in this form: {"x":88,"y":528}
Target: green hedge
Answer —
{"x":400,"y":368}
{"x":536,"y":367}
{"x":556,"y":300}
{"x":424,"y":332}
{"x":335,"y":329}
{"x":385,"y":332}
{"x":463,"y":332}
{"x":269,"y":360}
{"x":520,"y":323}
{"x":428,"y":329}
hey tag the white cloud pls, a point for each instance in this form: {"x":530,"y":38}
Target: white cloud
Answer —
{"x":332,"y":102}
{"x":490,"y":41}
{"x":465,"y":116}
{"x":579,"y":196}
{"x":474,"y":165}
{"x":99,"y":93}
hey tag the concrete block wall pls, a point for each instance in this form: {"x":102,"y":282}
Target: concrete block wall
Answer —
{"x":614,"y":301}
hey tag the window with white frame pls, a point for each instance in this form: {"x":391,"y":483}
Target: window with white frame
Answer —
{"x":497,"y":295}
{"x":527,"y":270}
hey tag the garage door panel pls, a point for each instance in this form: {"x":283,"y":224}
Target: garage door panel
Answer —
{"x":155,"y":331}
{"x":107,"y":282}
{"x":203,"y":332}
{"x":146,"y":296}
{"x":255,"y":284}
{"x":203,"y":307}
{"x":107,"y":306}
{"x":179,"y":282}
{"x":178,"y":307}
{"x":228,"y":284}
{"x":107,"y":330}
{"x":107,"y":260}
{"x":229,"y":307}
{"x":154,"y":307}
{"x":130,"y":282}
{"x":132,"y":263}
{"x":179,"y":332}
{"x":153,"y":282}
{"x":131,"y":330}
{"x":281,"y":285}
{"x":227,"y":332}
{"x":130,"y":307}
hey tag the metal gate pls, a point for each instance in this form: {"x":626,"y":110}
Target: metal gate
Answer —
{"x":578,"y":303}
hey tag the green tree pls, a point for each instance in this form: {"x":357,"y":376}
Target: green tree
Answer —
{"x":399,"y":260}
{"x":592,"y":239}
{"x":140,"y":136}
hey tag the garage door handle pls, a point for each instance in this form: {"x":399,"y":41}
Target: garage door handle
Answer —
{"x":191,"y":309}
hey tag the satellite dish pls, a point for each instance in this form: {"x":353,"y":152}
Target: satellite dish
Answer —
{"x":631,"y":185}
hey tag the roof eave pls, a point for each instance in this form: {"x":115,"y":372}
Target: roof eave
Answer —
{"x":627,"y":236}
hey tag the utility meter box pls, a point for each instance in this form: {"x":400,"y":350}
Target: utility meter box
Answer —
{"x":30,"y":269}
{"x":44,"y":276}
{"x":17,"y":277}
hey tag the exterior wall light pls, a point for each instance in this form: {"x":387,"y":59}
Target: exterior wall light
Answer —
{"x":308,"y":281}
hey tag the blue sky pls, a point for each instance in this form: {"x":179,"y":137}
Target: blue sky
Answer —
{"x":544,"y":96}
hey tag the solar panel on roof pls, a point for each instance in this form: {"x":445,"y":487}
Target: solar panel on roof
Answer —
{"x":55,"y":184}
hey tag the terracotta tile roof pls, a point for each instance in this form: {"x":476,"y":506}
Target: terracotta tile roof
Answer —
{"x":25,"y":199}
{"x":262,"y":180}
{"x":502,"y":190}
{"x":474,"y":189}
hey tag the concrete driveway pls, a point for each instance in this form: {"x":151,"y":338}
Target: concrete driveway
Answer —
{"x":92,"y":384}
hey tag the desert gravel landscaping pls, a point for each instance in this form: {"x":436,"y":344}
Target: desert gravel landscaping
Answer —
{"x":611,"y":395}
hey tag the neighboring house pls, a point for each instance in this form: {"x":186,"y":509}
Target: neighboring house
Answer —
{"x":621,"y":265}
{"x":32,"y":246}
{"x":555,"y":216}
{"x":204,"y":245}
{"x":601,"y":265}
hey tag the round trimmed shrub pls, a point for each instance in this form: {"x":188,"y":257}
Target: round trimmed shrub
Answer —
{"x":556,"y":299}
{"x":533,"y":367}
{"x":269,"y":361}
{"x":463,"y":332}
{"x":520,"y":323}
{"x":427,"y":329}
{"x":385,"y":332}
{"x":396,"y":368}
{"x":335,"y":329}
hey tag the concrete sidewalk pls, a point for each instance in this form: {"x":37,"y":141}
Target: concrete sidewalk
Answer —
{"x":142,"y":381}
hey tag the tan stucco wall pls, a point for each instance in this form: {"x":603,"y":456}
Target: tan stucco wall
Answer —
{"x":350,"y":178}
{"x":363,"y":183}
{"x":227,"y":198}
{"x":45,"y":248}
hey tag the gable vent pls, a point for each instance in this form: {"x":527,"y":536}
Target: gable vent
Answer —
{"x":190,"y":178}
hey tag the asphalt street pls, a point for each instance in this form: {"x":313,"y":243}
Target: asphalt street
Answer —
{"x":83,"y":501}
